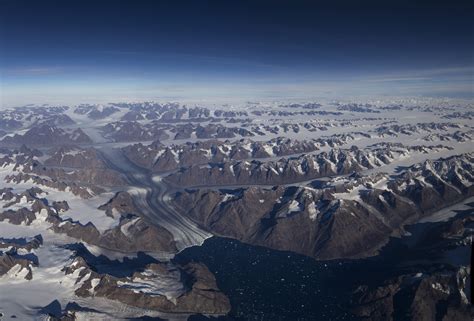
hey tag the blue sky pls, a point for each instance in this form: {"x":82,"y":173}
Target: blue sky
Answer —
{"x":74,"y":51}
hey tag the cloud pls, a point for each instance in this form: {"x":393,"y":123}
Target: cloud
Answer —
{"x":397,"y":79}
{"x":33,"y":71}
{"x":422,"y":74}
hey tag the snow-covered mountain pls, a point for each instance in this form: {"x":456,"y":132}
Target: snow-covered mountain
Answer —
{"x":99,"y":201}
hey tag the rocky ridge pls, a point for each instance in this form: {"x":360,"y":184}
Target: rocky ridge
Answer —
{"x":351,"y":218}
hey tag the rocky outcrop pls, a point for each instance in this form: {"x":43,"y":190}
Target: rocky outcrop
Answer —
{"x":132,"y":234}
{"x":411,"y":129}
{"x":358,"y":108}
{"x":78,"y":189}
{"x":293,"y":169}
{"x":96,"y":111}
{"x":90,"y":176}
{"x":25,"y":117}
{"x":75,"y":157}
{"x":26,"y":244}
{"x":193,"y":287}
{"x":158,"y":157}
{"x":10,"y":124}
{"x":55,"y":120}
{"x":82,"y":171}
{"x":162,"y":112}
{"x":47,"y":135}
{"x":423,"y":297}
{"x":21,"y":157}
{"x":22,"y":208}
{"x":134,"y":131}
{"x":457,"y":136}
{"x":15,"y":266}
{"x":121,"y":204}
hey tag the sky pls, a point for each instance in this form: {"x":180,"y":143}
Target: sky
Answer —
{"x":103,"y":50}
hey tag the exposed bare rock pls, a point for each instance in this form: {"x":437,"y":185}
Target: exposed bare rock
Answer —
{"x":460,"y":115}
{"x":16,"y":266}
{"x":21,"y":243}
{"x":55,"y":120}
{"x":22,"y":208}
{"x":358,"y":108}
{"x":158,"y":157}
{"x":75,"y":157}
{"x":92,"y":176}
{"x":17,"y":118}
{"x":75,"y":188}
{"x":286,"y":113}
{"x":439,"y":296}
{"x":293,"y":169}
{"x":352,"y":219}
{"x":302,"y":106}
{"x":133,"y":234}
{"x":60,"y":206}
{"x":80,"y":181}
{"x":122,"y":203}
{"x":134,"y":131}
{"x":96,"y":111}
{"x":19,"y":216}
{"x":48,"y":135}
{"x":9,"y":124}
{"x":457,"y":136}
{"x":410,"y":129}
{"x":22,"y":157}
{"x":89,"y":169}
{"x":194,"y":288}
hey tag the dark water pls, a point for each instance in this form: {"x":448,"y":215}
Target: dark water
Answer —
{"x":264,"y":284}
